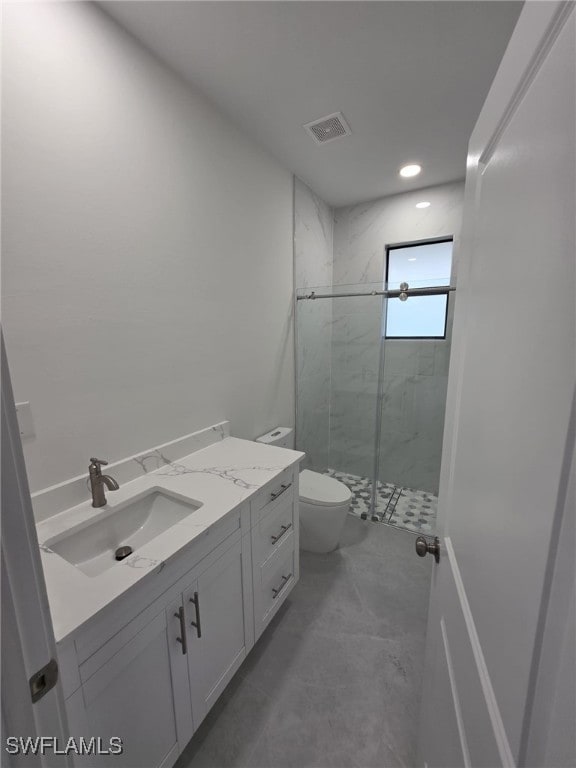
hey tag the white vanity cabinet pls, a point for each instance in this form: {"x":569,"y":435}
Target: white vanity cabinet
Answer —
{"x":152,"y":664}
{"x":218,"y":611}
{"x":136,"y":695}
{"x":155,"y":678}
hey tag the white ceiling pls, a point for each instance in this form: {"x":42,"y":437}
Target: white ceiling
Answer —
{"x":409,"y":77}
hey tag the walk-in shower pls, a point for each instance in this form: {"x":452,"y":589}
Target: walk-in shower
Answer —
{"x":372,"y":371}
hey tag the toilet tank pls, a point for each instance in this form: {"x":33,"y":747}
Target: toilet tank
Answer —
{"x":282,"y":437}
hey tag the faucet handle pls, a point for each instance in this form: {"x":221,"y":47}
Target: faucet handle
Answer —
{"x":98,"y":463}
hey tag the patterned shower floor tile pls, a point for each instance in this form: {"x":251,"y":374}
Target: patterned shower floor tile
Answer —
{"x":361,"y":488}
{"x":416,"y":511}
{"x":395,"y":505}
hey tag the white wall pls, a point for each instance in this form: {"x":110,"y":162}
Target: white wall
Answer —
{"x":147,"y":254}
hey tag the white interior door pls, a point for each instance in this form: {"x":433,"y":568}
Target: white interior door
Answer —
{"x":27,"y":637}
{"x":509,"y":435}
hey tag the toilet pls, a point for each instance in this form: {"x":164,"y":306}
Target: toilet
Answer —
{"x":324,"y":501}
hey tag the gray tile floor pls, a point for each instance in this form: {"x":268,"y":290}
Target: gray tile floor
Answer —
{"x":334,"y":682}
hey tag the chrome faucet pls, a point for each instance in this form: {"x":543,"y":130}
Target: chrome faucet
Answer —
{"x":98,"y":481}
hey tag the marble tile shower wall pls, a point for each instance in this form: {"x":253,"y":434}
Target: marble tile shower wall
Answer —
{"x":361,"y":232}
{"x":415,"y":372}
{"x":313,"y":250}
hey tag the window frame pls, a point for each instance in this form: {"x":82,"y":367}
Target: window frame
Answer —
{"x":415,"y":244}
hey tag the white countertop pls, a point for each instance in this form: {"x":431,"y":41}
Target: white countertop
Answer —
{"x":221,"y":477}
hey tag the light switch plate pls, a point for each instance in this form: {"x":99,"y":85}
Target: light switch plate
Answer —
{"x":25,"y":423}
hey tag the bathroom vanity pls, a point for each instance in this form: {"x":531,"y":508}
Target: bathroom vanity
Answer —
{"x":146,"y":645}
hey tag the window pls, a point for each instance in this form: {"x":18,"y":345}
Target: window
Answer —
{"x":421,"y":265}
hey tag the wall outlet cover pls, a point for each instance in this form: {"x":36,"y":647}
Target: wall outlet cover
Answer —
{"x":25,"y":423}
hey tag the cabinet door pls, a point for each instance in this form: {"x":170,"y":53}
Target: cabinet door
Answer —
{"x":133,"y":696}
{"x":217,"y":628}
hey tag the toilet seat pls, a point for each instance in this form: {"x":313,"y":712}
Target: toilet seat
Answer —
{"x":321,"y":490}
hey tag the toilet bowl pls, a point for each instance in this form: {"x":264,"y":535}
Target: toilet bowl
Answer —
{"x":324,"y":504}
{"x":324,"y":501}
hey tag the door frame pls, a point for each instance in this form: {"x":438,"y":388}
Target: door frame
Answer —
{"x":28,"y":641}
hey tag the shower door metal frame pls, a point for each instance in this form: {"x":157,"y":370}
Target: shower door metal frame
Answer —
{"x":379,"y":401}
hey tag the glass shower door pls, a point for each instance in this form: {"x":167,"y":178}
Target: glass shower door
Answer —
{"x":354,"y":393}
{"x":416,"y":342}
{"x":371,"y":393}
{"x":337,"y":385}
{"x":313,"y":380}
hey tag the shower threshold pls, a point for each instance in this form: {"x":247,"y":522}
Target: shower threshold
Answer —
{"x":396,"y":505}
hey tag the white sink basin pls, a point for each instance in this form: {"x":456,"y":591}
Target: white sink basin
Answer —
{"x":90,"y":546}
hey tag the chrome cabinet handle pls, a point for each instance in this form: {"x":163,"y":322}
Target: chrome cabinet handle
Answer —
{"x":283,"y":530}
{"x":196,"y":601}
{"x":276,"y":591}
{"x":182,"y":640}
{"x":280,"y":491}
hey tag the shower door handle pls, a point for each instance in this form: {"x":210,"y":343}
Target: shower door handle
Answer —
{"x":425,"y":547}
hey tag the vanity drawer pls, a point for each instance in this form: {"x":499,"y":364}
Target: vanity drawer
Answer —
{"x":273,"y":529}
{"x":283,"y":486}
{"x":277,"y":577}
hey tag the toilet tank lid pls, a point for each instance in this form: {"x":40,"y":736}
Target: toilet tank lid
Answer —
{"x":321,"y":489}
{"x":276,"y":436}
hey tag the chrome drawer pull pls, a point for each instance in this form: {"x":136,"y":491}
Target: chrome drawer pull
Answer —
{"x":182,"y":640}
{"x":276,"y":592}
{"x":196,"y":601}
{"x":283,"y":530}
{"x":280,"y":491}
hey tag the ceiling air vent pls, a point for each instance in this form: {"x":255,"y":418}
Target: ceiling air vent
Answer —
{"x":328,"y":128}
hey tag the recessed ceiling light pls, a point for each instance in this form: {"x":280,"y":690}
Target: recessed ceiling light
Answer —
{"x":414,"y":259}
{"x":423,"y":204}
{"x":410,"y":170}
